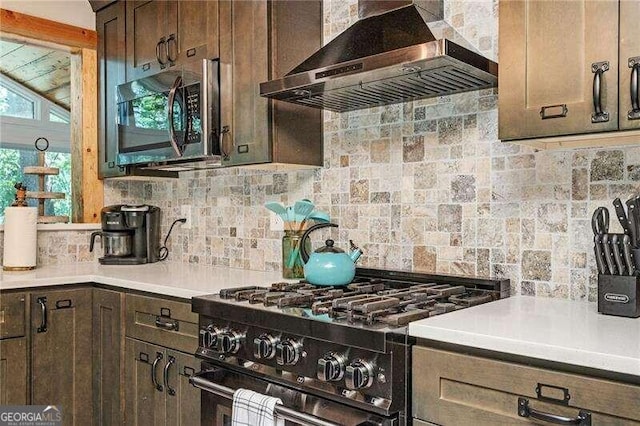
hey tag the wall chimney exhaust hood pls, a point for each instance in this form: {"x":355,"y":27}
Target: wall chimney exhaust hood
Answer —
{"x":398,"y":51}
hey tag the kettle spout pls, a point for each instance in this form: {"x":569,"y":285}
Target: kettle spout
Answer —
{"x":355,"y":252}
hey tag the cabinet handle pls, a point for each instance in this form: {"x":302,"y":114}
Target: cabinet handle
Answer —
{"x":634,"y":64}
{"x":598,"y":69}
{"x":154,"y":367}
{"x":226,"y":150}
{"x":172,"y":128}
{"x":42,"y":301}
{"x":167,"y":323}
{"x":172,"y":38}
{"x":165,"y":375}
{"x":159,"y":52}
{"x":583,"y":418}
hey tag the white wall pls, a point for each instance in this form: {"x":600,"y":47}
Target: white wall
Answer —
{"x":72,"y":12}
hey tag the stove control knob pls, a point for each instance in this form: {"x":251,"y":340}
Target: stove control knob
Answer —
{"x":331,"y":367}
{"x":359,"y":375}
{"x":264,"y":347}
{"x":288,"y":352}
{"x":230,"y":342}
{"x":210,"y":337}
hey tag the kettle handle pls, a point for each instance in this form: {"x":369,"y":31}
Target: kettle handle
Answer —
{"x":93,"y":239}
{"x":303,"y":249}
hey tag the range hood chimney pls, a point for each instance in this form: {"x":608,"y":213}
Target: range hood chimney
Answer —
{"x":399,"y":50}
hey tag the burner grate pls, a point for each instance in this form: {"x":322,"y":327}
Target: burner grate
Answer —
{"x":367,"y":300}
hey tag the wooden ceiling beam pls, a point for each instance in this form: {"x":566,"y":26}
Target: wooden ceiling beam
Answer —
{"x":46,"y":30}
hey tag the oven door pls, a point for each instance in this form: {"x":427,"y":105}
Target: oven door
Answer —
{"x":168,"y":116}
{"x":298,"y":408}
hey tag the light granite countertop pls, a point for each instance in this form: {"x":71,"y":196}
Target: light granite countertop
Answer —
{"x":163,"y":278}
{"x":557,"y":330}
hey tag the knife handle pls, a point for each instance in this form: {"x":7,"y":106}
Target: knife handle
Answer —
{"x":617,"y":256}
{"x":608,"y":254}
{"x":597,"y":248}
{"x":631,"y":217}
{"x":628,"y":255}
{"x":622,"y":215}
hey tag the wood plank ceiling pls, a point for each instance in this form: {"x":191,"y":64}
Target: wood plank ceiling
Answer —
{"x":43,"y":70}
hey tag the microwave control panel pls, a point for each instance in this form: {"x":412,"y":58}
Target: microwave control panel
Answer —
{"x":192,"y":105}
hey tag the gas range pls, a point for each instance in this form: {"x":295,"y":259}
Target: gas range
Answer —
{"x":346,"y":344}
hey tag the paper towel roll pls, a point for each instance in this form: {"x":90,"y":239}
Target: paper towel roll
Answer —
{"x":20,"y":238}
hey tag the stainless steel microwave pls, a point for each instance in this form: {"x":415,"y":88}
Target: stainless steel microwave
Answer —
{"x":171,"y":117}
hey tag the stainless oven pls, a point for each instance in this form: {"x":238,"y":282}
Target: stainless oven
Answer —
{"x":218,"y":383}
{"x":170,"y":117}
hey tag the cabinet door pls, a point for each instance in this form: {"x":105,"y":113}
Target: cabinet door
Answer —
{"x":629,"y":65}
{"x":108,"y":341}
{"x":13,"y":371}
{"x":146,"y":38}
{"x":144,"y":390}
{"x":244,"y":64}
{"x":192,"y":30}
{"x":548,"y":53}
{"x":61,"y":353}
{"x":183,"y":399}
{"x":111,"y":71}
{"x":297,"y":130}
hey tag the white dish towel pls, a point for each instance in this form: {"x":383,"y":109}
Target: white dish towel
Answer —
{"x":254,"y":409}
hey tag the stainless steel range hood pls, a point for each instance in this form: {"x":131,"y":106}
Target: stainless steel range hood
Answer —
{"x":398,"y":51}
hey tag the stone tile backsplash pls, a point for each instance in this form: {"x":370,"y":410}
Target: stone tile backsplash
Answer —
{"x":60,"y":247}
{"x":423,"y":186}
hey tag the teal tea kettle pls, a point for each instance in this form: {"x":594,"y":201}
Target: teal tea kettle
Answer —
{"x":328,"y":265}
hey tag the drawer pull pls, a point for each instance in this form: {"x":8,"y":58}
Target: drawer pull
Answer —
{"x":583,"y":418}
{"x":42,"y":301}
{"x":598,"y":69}
{"x":634,"y":64}
{"x":166,"y":323}
{"x":171,"y":391}
{"x":154,"y":367}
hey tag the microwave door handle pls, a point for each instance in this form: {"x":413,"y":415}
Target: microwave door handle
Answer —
{"x":172,"y":129}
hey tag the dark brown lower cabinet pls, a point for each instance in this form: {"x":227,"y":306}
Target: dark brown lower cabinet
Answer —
{"x":157,"y":389}
{"x":13,"y":371}
{"x":108,"y":343}
{"x":61,"y":340}
{"x":451,"y":388}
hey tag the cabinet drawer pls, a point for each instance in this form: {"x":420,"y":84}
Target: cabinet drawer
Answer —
{"x":164,"y":322}
{"x":12,"y":310}
{"x":455,"y":389}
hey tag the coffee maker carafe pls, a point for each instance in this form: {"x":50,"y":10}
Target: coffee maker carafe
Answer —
{"x":130,"y":234}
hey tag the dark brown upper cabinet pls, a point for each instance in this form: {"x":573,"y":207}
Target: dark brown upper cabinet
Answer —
{"x":566,"y":70}
{"x":111,"y":72}
{"x":163,"y":34}
{"x":262,"y":40}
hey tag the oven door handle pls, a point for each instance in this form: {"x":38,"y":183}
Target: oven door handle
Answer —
{"x":281,"y":411}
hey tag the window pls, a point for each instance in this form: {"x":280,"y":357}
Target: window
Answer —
{"x":12,"y":162}
{"x":58,"y":118}
{"x":24,"y":117}
{"x":13,"y":104}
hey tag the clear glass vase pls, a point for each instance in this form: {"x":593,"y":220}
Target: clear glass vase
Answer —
{"x":292,"y":265}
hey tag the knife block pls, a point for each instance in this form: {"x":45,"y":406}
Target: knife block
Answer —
{"x":619,"y":295}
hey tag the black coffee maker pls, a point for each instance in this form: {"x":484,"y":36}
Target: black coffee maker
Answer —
{"x":130,"y":234}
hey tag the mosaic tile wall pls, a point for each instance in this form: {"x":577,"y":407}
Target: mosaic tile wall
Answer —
{"x":60,"y":247}
{"x":422,"y":186}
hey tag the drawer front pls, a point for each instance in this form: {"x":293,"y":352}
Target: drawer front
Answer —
{"x":163,"y":322}
{"x":12,"y":319}
{"x":454,"y":389}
